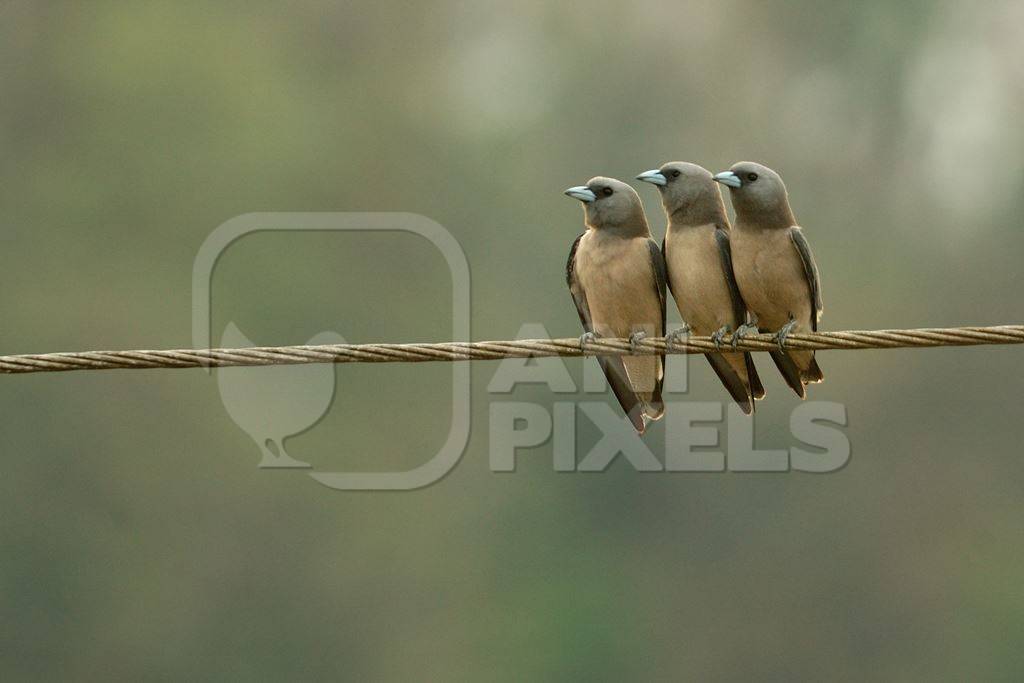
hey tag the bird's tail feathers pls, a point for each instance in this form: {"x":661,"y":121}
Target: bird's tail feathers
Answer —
{"x":618,"y":379}
{"x":655,"y":409}
{"x":639,"y":418}
{"x":654,"y":406}
{"x":812,"y":374}
{"x":756,"y":388}
{"x":734,"y":384}
{"x":790,"y":372}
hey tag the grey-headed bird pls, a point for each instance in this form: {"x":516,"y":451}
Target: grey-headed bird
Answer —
{"x":616,"y":275}
{"x":774,"y":267}
{"x":700,"y":274}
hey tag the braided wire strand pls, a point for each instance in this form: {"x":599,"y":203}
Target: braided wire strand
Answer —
{"x":495,"y":350}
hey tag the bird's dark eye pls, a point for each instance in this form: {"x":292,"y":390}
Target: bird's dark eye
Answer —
{"x":675,"y":173}
{"x":607,"y":191}
{"x":751,"y":177}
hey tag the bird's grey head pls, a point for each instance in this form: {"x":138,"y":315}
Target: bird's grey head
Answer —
{"x":688,"y":192}
{"x":610,"y":204}
{"x":757,"y":192}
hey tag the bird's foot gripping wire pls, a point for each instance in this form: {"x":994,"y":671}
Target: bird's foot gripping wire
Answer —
{"x":587,"y":338}
{"x":743,"y":330}
{"x":636,"y":338}
{"x":718,"y":336}
{"x":680,"y":334}
{"x":783,"y":333}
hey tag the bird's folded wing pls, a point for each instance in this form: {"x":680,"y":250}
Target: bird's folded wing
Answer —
{"x":739,"y":308}
{"x":811,"y":271}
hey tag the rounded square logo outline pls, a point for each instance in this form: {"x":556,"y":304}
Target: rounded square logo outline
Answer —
{"x":238,"y":227}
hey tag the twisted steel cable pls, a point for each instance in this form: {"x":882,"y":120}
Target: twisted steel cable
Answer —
{"x":494,"y":350}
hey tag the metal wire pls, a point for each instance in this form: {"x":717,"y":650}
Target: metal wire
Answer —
{"x":494,"y":350}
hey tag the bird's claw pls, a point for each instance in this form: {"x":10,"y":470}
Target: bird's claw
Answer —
{"x":636,"y":338}
{"x":587,"y":338}
{"x":742,"y":331}
{"x":677,"y":335}
{"x":719,"y":336}
{"x":782,"y":334}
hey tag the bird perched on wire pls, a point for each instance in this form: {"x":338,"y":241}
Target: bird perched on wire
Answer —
{"x":774,"y":267}
{"x":698,"y":263}
{"x":616,"y":275}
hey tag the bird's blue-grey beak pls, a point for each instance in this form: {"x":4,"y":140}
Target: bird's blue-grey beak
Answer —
{"x":582,"y":193}
{"x":653,"y":176}
{"x":728,"y":178}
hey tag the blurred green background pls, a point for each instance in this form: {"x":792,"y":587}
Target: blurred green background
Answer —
{"x":139,"y":540}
